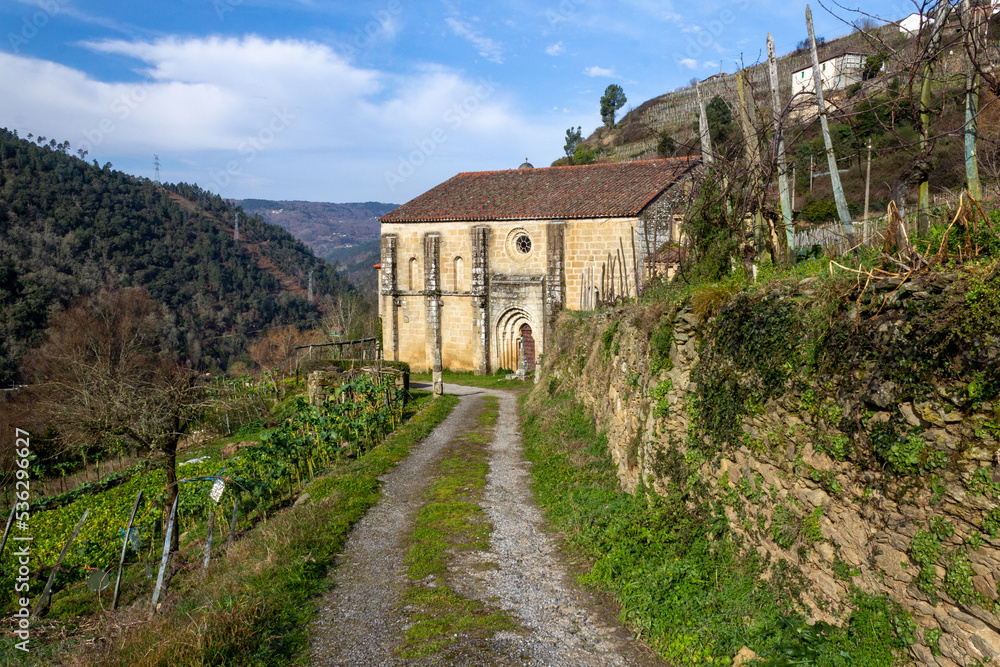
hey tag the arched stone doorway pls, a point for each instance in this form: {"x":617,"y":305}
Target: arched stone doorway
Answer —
{"x":528,"y":347}
{"x":513,"y":332}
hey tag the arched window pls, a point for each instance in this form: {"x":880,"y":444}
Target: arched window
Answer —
{"x":458,"y":274}
{"x":412,"y":275}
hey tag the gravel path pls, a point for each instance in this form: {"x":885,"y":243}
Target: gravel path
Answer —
{"x":360,"y":622}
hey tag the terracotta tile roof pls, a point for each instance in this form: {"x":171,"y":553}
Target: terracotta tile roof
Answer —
{"x":611,"y":189}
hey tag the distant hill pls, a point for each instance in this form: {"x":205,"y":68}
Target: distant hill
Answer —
{"x":345,"y":234}
{"x":67,"y":228}
{"x":878,"y":110}
{"x":322,"y":226}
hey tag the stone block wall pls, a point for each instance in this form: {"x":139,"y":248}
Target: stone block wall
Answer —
{"x":853,"y":526}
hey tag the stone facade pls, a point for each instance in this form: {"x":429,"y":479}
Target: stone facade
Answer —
{"x":482,"y":294}
{"x":472,"y":295}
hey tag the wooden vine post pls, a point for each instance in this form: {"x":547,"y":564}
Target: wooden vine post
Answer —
{"x":762,"y":235}
{"x":971,"y":22}
{"x":937,"y":32}
{"x":706,"y":136}
{"x":121,"y":560}
{"x":232,"y":527}
{"x":166,"y":554}
{"x":43,"y":600}
{"x":831,"y":157}
{"x":6,"y":530}
{"x":779,"y":142}
{"x":208,"y":540}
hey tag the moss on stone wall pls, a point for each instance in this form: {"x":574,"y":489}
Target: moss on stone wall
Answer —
{"x":846,"y":431}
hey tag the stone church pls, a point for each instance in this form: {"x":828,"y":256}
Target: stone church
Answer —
{"x":474,"y":272}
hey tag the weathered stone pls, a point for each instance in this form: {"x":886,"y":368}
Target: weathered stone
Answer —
{"x":986,"y":617}
{"x":883,"y":394}
{"x":320,"y":384}
{"x":977,"y":453}
{"x":923,"y":654}
{"x":988,"y":643}
{"x":887,"y":284}
{"x":880,"y":418}
{"x":687,"y":317}
{"x":910,"y":416}
{"x":940,"y":438}
{"x":744,"y":657}
{"x":951,"y":648}
{"x":891,"y":562}
{"x":929,"y":413}
{"x":814,"y":497}
{"x":734,"y":475}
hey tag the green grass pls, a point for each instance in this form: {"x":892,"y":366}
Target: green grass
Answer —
{"x":692,"y":594}
{"x":451,"y":520}
{"x":470,"y":379}
{"x":258,"y":599}
{"x":444,"y":615}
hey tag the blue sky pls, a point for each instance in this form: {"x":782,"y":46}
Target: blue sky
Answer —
{"x":355,"y":101}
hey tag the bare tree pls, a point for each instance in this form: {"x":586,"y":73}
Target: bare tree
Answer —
{"x":103,"y":373}
{"x":275,"y":349}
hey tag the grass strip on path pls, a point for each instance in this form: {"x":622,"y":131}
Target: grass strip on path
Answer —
{"x":451,"y":521}
{"x":255,"y":605}
{"x":470,"y":379}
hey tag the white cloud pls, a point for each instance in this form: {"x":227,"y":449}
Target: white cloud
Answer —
{"x":556,"y":49}
{"x":489,"y":49}
{"x":599,"y":71}
{"x":293,"y":119}
{"x":690,"y":63}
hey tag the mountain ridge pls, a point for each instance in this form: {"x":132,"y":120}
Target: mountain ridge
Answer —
{"x":69,"y":228}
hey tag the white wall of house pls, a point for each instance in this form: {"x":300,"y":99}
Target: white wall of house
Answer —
{"x":911,"y":24}
{"x":836,"y":73}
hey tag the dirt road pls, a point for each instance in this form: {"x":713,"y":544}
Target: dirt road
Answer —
{"x":520,"y":605}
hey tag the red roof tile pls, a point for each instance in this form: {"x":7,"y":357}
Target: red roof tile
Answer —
{"x":611,"y":189}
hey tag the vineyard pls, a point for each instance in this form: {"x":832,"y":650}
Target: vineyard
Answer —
{"x":257,"y":480}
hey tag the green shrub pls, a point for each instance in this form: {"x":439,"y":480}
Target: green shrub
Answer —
{"x":958,"y":580}
{"x":991,"y":523}
{"x":659,"y":347}
{"x":608,"y":340}
{"x":905,"y":453}
{"x":786,"y":526}
{"x":819,"y":210}
{"x":661,"y":406}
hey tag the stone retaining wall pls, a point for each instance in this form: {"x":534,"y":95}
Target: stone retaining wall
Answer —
{"x":841,"y":526}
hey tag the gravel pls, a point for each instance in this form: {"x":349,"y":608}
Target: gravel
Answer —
{"x":362,"y":620}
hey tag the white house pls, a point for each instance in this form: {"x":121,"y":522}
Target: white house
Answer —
{"x":911,"y":24}
{"x":836,"y":73}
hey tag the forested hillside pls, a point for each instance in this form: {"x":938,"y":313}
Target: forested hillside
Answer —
{"x":68,"y":227}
